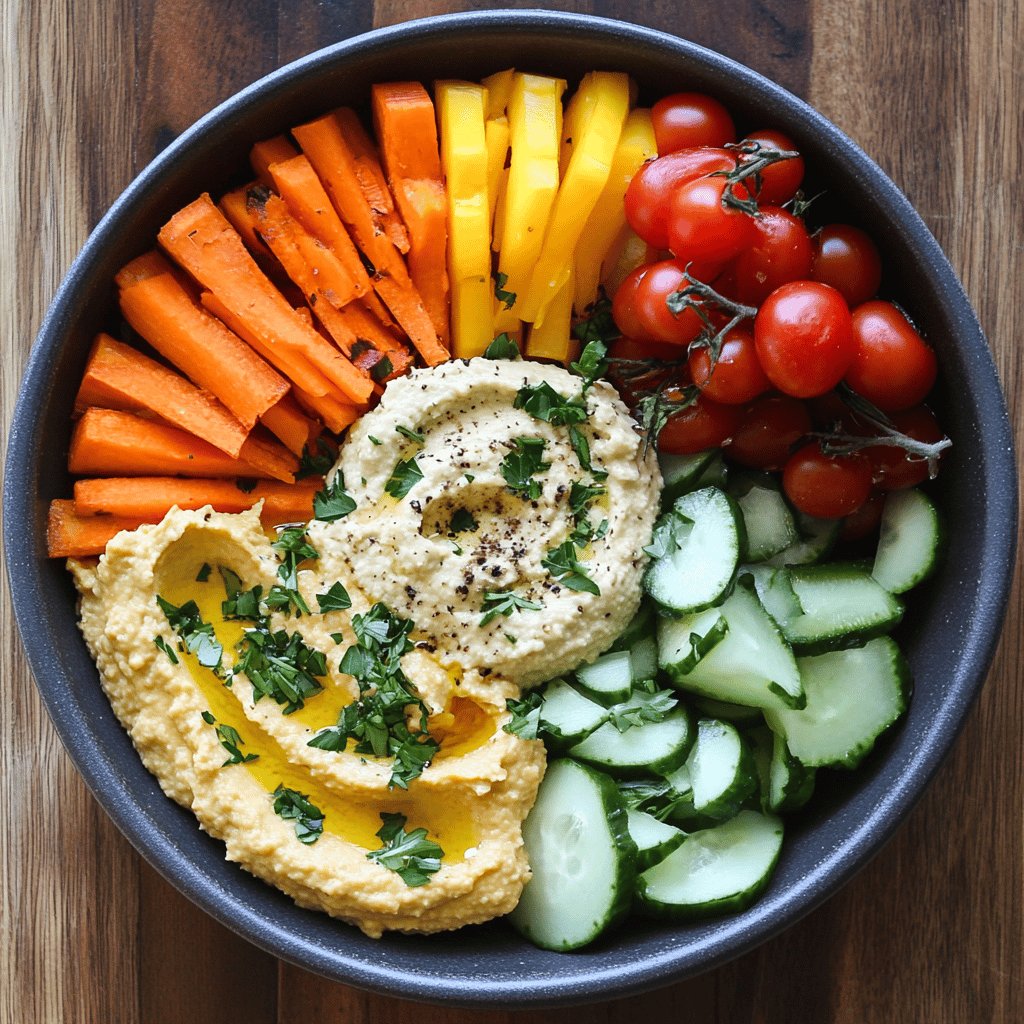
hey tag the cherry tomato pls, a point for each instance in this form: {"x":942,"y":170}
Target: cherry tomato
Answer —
{"x":641,"y":311}
{"x":737,"y":377}
{"x":779,"y":181}
{"x":633,"y":348}
{"x":780,"y":252}
{"x":687,"y":119}
{"x":826,"y":486}
{"x":804,"y":338}
{"x":847,"y":260}
{"x":703,"y":225}
{"x":649,"y":195}
{"x":893,"y":468}
{"x":892,"y":365}
{"x":771,"y":426}
{"x":865,"y":521}
{"x":705,"y":424}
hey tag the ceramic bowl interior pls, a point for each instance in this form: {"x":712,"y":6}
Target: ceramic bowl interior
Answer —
{"x":949,"y":631}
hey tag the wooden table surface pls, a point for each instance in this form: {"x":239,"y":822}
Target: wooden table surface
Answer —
{"x":932,"y":931}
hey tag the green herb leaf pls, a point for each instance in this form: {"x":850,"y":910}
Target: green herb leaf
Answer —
{"x":333,"y":502}
{"x":336,"y":599}
{"x":292,"y":805}
{"x":598,"y":325}
{"x":563,"y":564}
{"x":412,"y":856}
{"x":295,"y":549}
{"x":374,"y":440}
{"x":204,"y":572}
{"x":318,"y":462}
{"x":543,"y":402}
{"x":163,"y":645}
{"x":581,"y":495}
{"x":197,"y":636}
{"x":642,"y":708}
{"x":504,"y":603}
{"x":381,"y":370}
{"x":462,"y":521}
{"x":281,"y":666}
{"x":668,"y":535}
{"x":591,"y":363}
{"x":411,"y":434}
{"x":230,"y":741}
{"x":405,"y":476}
{"x":525,"y":720}
{"x":519,"y":466}
{"x":503,"y":347}
{"x":509,"y":298}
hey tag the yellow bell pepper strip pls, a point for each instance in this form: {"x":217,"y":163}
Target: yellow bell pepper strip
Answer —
{"x":627,"y":252}
{"x":499,"y":89}
{"x":607,"y":94}
{"x":496,"y":132}
{"x":460,"y":112}
{"x":607,"y":219}
{"x":534,"y":118}
{"x":553,"y":338}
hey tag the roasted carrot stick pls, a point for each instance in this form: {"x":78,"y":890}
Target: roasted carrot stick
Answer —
{"x":336,"y":415}
{"x":270,"y":151}
{"x":203,"y":242}
{"x":287,"y":422}
{"x":119,"y":377}
{"x":142,"y":268}
{"x":232,"y":205}
{"x":167,"y":316}
{"x":150,"y":498}
{"x":72,"y":535}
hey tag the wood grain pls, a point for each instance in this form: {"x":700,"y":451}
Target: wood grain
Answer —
{"x":931,"y":931}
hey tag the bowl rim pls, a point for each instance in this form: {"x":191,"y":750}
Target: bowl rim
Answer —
{"x":28,"y":589}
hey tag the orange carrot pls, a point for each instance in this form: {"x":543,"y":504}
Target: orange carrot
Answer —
{"x":269,"y":457}
{"x":164,"y":313}
{"x":232,"y":205}
{"x":371,"y":178}
{"x":118,"y":377}
{"x":71,"y":535}
{"x":107,"y":442}
{"x":367,"y":328}
{"x":406,"y":126}
{"x":270,"y":151}
{"x":203,"y":242}
{"x":336,"y":415}
{"x":150,"y":498}
{"x":287,"y":422}
{"x":142,"y":268}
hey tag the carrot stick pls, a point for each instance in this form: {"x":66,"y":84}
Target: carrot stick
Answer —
{"x":142,"y":268}
{"x":371,"y":178}
{"x":203,"y":242}
{"x":71,"y":535}
{"x":107,"y":442}
{"x":118,"y":377}
{"x":404,"y":119}
{"x":335,"y":414}
{"x":366,"y":327}
{"x":232,"y":205}
{"x":150,"y":498}
{"x":270,"y":458}
{"x":287,"y":422}
{"x":270,"y":151}
{"x":164,"y":313}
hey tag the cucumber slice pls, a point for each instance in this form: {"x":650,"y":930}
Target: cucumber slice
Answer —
{"x":762,"y":743}
{"x":750,"y":665}
{"x":680,"y":473}
{"x":843,"y":605}
{"x":582,"y":859}
{"x":908,"y":543}
{"x":643,"y":659}
{"x":817,"y":538}
{"x":656,"y":747}
{"x":767,"y":517}
{"x":642,"y":625}
{"x":739,"y":714}
{"x":775,"y":591}
{"x":718,"y":870}
{"x":654,"y":839}
{"x":566,"y":716}
{"x":699,"y":541}
{"x":853,"y":696}
{"x":683,"y":642}
{"x":678,"y":803}
{"x":722,"y":770}
{"x":790,"y":783}
{"x":608,"y":680}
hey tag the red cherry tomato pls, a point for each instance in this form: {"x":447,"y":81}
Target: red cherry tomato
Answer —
{"x":633,"y":348}
{"x":651,"y":189}
{"x":771,"y":426}
{"x":848,"y":260}
{"x":780,"y":252}
{"x":892,"y":365}
{"x":804,"y":338}
{"x":865,"y":521}
{"x":826,"y":486}
{"x":687,"y":119}
{"x":705,"y":424}
{"x":641,"y":310}
{"x":737,"y":377}
{"x":893,"y":468}
{"x":703,"y":225}
{"x":779,"y":181}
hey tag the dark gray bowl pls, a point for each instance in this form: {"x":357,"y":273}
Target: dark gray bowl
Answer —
{"x":949,"y":633}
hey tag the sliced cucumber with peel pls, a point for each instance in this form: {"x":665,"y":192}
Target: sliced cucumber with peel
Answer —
{"x":790,"y":782}
{"x":767,"y":518}
{"x":607,"y":680}
{"x":643,"y":659}
{"x":738,"y":714}
{"x":908,"y":542}
{"x":640,"y":626}
{"x":721,"y":768}
{"x":718,"y":870}
{"x":817,"y":539}
{"x":566,"y":716}
{"x":680,"y":473}
{"x":683,"y":642}
{"x":582,"y":859}
{"x":654,"y":839}
{"x":656,"y":747}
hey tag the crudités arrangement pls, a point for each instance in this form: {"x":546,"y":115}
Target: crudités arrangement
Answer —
{"x":504,"y":509}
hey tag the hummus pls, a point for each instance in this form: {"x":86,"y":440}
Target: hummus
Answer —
{"x":440,"y":547}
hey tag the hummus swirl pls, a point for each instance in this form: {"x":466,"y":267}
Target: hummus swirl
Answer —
{"x":411,"y":553}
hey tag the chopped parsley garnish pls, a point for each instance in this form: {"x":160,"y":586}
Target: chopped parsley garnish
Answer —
{"x":381,"y":370}
{"x":292,"y":805}
{"x":281,"y":666}
{"x":519,"y":466}
{"x":598,"y":325}
{"x":230,"y":741}
{"x":411,"y":855}
{"x":509,"y":298}
{"x":656,"y":798}
{"x":462,"y":521}
{"x":316,"y":463}
{"x":204,"y":572}
{"x":333,"y":502}
{"x":377,"y":719}
{"x":336,"y":599}
{"x":457,"y":548}
{"x":563,"y":564}
{"x":668,"y":534}
{"x":163,"y":645}
{"x":374,"y":440}
{"x":511,"y":639}
{"x":295,"y":548}
{"x":525,"y":720}
{"x":469,"y":477}
{"x":404,"y":477}
{"x":240,"y":603}
{"x":584,"y":532}
{"x":504,"y":603}
{"x":650,"y":709}
{"x":197,"y":635}
{"x":413,"y":435}
{"x":581,"y":495}
{"x":543,"y":402}
{"x":591,"y":363}
{"x":503,"y":347}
